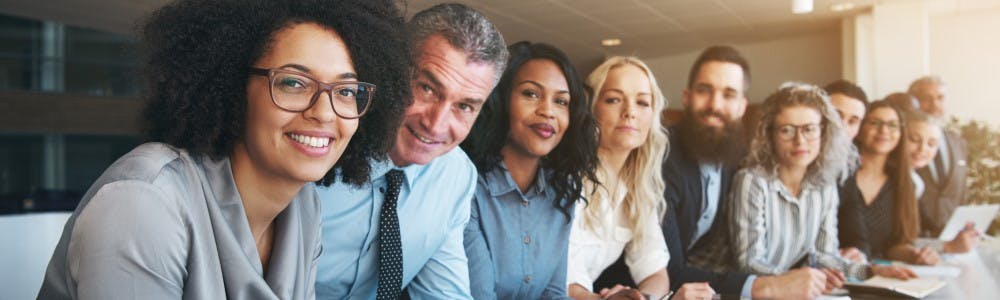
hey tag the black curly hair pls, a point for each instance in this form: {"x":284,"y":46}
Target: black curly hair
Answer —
{"x":573,"y":159}
{"x":197,"y":56}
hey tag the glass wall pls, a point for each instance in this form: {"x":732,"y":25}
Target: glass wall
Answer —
{"x":52,"y":57}
{"x":42,"y":170}
{"x":20,"y":53}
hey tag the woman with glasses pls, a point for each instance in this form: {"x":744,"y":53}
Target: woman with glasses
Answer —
{"x":534,"y":144}
{"x":878,"y":207}
{"x":249,"y":103}
{"x":784,"y":199}
{"x":879,"y":212}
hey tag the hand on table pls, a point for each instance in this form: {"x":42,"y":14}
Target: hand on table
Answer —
{"x":897,"y":272}
{"x":854,"y":255}
{"x":926,"y":256}
{"x":834,"y":279}
{"x":694,"y":291}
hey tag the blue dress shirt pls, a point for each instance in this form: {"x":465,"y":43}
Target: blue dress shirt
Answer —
{"x":711,"y":180}
{"x":517,"y":242}
{"x":433,"y":210}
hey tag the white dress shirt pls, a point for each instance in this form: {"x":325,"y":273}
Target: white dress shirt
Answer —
{"x":591,"y":252}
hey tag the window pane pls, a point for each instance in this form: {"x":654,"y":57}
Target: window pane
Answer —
{"x":20,"y":53}
{"x":20,"y":169}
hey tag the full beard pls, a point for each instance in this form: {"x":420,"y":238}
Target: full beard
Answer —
{"x":710,"y":144}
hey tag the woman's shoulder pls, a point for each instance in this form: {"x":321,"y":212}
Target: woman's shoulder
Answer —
{"x":755,"y":175}
{"x":156,"y":168}
{"x":149,"y":161}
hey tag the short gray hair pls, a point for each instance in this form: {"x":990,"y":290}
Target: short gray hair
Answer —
{"x":929,"y":79}
{"x":465,"y":29}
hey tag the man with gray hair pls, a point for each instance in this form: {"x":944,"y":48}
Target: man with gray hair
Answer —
{"x":944,"y":178}
{"x":403,"y":229}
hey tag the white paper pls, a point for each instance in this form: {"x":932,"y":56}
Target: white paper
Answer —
{"x":917,"y":287}
{"x":981,"y":215}
{"x":936,"y":271}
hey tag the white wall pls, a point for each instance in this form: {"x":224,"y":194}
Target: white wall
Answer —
{"x":965,"y":52}
{"x":900,"y":54}
{"x":812,"y":58}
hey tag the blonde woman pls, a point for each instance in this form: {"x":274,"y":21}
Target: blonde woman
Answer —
{"x":922,"y":142}
{"x":624,"y":210}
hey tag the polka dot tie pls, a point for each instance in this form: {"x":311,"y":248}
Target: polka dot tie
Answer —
{"x":390,"y":251}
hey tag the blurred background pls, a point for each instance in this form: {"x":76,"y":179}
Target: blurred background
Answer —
{"x":70,"y":95}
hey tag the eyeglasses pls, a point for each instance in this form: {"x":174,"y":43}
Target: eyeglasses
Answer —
{"x":809,"y":131}
{"x":892,"y":125}
{"x":296,"y":92}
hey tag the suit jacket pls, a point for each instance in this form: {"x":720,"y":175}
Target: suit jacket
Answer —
{"x":942,"y":196}
{"x":683,"y":196}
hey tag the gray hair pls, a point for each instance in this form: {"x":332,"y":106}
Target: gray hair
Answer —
{"x":929,"y":79}
{"x":837,"y":156}
{"x":465,"y":29}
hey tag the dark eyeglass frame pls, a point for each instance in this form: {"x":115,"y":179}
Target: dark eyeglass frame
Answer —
{"x":322,"y":87}
{"x":799,"y":129}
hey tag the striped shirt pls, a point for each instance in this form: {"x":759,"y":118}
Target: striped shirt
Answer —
{"x":773,"y":231}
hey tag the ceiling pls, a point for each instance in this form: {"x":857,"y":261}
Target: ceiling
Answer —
{"x":650,"y":28}
{"x":647,"y":28}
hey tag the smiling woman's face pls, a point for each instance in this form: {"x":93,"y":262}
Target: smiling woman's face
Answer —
{"x":297,"y":146}
{"x":539,"y":108}
{"x":922,"y":143}
{"x":880,"y":131}
{"x":624,"y":109}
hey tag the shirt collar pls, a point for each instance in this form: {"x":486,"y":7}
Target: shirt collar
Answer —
{"x":380,"y":168}
{"x":710,"y":168}
{"x":499,"y":181}
{"x":777,"y":185}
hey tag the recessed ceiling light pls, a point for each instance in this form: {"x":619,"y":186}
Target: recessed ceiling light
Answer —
{"x":802,"y":6}
{"x":611,"y":42}
{"x":842,"y":6}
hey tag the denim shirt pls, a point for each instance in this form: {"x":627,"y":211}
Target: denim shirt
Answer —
{"x":517,"y":242}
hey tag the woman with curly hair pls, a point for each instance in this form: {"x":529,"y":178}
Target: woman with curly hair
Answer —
{"x":625,"y":203}
{"x":249,"y":102}
{"x":783,"y":202}
{"x":534,"y":144}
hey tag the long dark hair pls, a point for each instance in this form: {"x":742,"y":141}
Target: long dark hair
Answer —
{"x":573,"y":159}
{"x":897,"y":166}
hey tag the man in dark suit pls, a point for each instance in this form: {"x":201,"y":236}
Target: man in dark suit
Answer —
{"x":705,"y":148}
{"x":945,"y":177}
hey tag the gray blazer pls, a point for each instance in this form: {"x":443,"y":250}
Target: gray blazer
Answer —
{"x":163,"y":224}
{"x":941,"y":197}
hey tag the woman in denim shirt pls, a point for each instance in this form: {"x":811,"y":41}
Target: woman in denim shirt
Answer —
{"x":533,"y":144}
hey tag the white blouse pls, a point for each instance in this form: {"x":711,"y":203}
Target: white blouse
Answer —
{"x":591,"y":252}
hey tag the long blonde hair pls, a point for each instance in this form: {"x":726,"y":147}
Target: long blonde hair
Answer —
{"x":642,"y":170}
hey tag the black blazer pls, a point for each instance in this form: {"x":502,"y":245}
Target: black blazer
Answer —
{"x":941,"y":197}
{"x":683,"y":195}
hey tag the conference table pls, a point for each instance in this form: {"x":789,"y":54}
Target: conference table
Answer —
{"x":979,"y":278}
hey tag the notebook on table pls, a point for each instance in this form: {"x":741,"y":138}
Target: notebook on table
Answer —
{"x":914,"y":288}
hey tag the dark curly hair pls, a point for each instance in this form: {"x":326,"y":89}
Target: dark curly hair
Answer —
{"x":197,"y":56}
{"x":573,"y":159}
